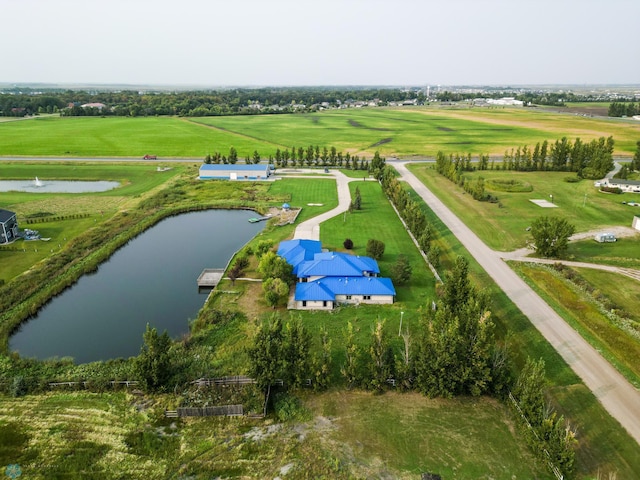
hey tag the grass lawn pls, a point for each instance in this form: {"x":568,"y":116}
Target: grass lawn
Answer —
{"x":502,"y":226}
{"x":622,"y":253}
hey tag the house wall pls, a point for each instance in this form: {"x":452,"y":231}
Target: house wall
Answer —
{"x":374,"y":300}
{"x":314,"y":305}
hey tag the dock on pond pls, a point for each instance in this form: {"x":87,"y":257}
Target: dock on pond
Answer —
{"x":210,"y":277}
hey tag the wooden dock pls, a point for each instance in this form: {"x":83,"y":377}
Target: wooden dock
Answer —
{"x":210,"y":277}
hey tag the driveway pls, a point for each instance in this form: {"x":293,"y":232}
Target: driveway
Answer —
{"x":617,"y":395}
{"x":310,"y":229}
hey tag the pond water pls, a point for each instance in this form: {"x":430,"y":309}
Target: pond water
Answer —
{"x":56,"y":186}
{"x":153,"y":280}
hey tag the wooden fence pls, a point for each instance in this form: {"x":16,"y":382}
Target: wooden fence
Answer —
{"x":217,"y":411}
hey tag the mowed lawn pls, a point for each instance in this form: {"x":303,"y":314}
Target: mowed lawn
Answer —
{"x":405,"y":132}
{"x":503,"y":226}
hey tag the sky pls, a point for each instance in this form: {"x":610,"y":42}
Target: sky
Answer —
{"x":320,"y":42}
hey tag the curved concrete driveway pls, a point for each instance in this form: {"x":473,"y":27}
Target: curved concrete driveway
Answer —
{"x":615,"y":393}
{"x":310,"y":229}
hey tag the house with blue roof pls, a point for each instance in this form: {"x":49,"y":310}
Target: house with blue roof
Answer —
{"x":328,"y":279}
{"x":222,"y":171}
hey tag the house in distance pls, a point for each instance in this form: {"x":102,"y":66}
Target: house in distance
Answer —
{"x":8,"y":226}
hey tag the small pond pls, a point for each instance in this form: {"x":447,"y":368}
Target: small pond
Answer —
{"x":153,"y":280}
{"x":56,"y":186}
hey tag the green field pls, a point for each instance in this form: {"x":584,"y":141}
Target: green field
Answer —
{"x":503,"y":226}
{"x":404,"y":132}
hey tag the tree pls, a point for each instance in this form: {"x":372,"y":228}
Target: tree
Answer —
{"x":276,"y":291}
{"x":322,"y":364}
{"x":273,"y":266}
{"x":375,"y":248}
{"x":380,"y":366}
{"x":401,"y":270}
{"x":356,"y":204}
{"x":233,"y":155}
{"x":350,"y":368}
{"x":153,"y":364}
{"x":551,"y":235}
{"x":377,"y":165}
{"x":348,"y":244}
{"x":635,"y":163}
{"x":265,"y":355}
{"x":296,"y":359}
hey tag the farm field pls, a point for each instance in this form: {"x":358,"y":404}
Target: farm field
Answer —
{"x":503,"y":226}
{"x":404,"y":132}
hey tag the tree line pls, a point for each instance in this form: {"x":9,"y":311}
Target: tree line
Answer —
{"x":310,"y":156}
{"x":236,"y":101}
{"x":623,"y":109}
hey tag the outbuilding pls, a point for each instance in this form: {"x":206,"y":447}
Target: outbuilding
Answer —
{"x":636,"y":222}
{"x":8,"y":226}
{"x":216,"y":171}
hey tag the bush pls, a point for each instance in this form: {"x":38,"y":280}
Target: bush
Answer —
{"x":615,"y":190}
{"x":375,"y":248}
{"x":348,"y":244}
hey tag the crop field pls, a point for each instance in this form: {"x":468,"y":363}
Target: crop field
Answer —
{"x":404,"y":132}
{"x":503,"y":225}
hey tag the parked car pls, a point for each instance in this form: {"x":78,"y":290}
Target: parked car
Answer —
{"x":150,"y":157}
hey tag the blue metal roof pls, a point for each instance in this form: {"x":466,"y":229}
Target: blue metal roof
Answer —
{"x":336,"y":264}
{"x":298,"y":251}
{"x":313,"y":291}
{"x":327,"y":288}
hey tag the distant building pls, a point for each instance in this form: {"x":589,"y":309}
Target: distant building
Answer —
{"x":99,"y":106}
{"x":8,"y":227}
{"x":627,"y":186}
{"x":234,"y":172}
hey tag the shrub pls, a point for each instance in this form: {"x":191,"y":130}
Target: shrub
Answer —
{"x":348,"y":244}
{"x":375,"y":248}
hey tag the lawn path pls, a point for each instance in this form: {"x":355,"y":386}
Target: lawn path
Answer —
{"x":614,"y":392}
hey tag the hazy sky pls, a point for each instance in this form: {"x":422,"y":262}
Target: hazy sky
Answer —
{"x":320,"y":42}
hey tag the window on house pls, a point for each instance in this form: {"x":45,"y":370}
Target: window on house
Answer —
{"x":324,"y":303}
{"x":304,"y":303}
{"x":366,"y":297}
{"x":348,"y":297}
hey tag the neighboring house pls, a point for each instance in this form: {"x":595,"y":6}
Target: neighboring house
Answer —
{"x":328,"y":279}
{"x":234,"y":172}
{"x":628,"y":186}
{"x":8,"y":226}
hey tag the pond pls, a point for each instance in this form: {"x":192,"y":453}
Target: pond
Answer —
{"x":56,"y":186}
{"x":152,"y":279}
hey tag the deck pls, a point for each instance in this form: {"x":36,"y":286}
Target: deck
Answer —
{"x":210,"y":277}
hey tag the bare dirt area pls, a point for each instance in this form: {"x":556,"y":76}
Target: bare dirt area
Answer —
{"x":619,"y":232}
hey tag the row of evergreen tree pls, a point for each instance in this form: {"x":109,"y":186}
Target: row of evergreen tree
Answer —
{"x":311,"y":156}
{"x":588,"y":160}
{"x":623,"y":109}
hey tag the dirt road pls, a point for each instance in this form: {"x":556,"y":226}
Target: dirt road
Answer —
{"x":616,"y":394}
